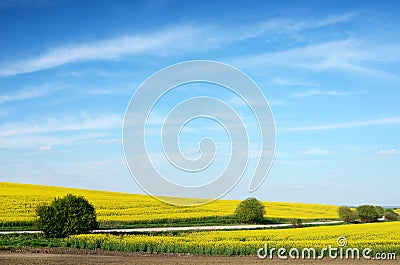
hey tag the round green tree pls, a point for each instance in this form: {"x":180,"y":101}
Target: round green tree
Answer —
{"x":250,"y":210}
{"x":70,"y":215}
{"x":367,"y":213}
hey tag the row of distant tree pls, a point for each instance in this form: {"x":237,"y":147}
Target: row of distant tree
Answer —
{"x":366,"y":214}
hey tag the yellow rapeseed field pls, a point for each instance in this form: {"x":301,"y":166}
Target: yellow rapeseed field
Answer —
{"x":397,"y":211}
{"x":19,"y":201}
{"x":376,"y":236}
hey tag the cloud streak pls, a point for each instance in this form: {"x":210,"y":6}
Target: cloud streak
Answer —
{"x":350,"y":55}
{"x":155,"y":43}
{"x":392,"y":120}
{"x":45,"y":149}
{"x":316,"y":92}
{"x":161,"y":42}
{"x":46,"y":133}
{"x":291,"y":26}
{"x":107,"y":141}
{"x":63,"y":124}
{"x":389,"y":152}
{"x":26,"y":94}
{"x":45,"y":142}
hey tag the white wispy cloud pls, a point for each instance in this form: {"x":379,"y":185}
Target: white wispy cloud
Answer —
{"x":45,"y":142}
{"x":45,"y":134}
{"x":45,"y":149}
{"x":111,"y":91}
{"x":27,"y":93}
{"x":107,"y":141}
{"x":338,"y":18}
{"x":286,"y":26}
{"x":64,"y":123}
{"x":280,"y":81}
{"x":392,"y":120}
{"x":108,"y":49}
{"x":161,"y":42}
{"x":317,"y":92}
{"x":345,"y":55}
{"x":389,"y":152}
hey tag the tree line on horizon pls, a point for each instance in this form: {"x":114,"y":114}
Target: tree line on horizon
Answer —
{"x":366,"y":214}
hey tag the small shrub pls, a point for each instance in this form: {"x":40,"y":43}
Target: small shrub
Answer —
{"x":297,"y":223}
{"x":250,"y":210}
{"x":391,"y":215}
{"x":66,"y":216}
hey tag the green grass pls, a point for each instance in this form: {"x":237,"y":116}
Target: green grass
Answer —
{"x":203,"y":221}
{"x":17,"y":226}
{"x":29,"y":240}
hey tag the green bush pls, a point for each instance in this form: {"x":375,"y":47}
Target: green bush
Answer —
{"x":346,"y":214}
{"x":391,"y":215}
{"x":367,"y":213}
{"x":379,"y":210}
{"x":66,"y":216}
{"x":297,"y":223}
{"x":250,"y":210}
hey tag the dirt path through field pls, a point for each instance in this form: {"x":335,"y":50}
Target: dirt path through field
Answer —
{"x":85,"y":257}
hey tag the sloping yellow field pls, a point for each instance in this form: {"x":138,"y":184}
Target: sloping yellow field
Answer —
{"x":397,"y":211}
{"x":19,"y":201}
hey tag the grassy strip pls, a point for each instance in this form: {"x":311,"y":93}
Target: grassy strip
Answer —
{"x":29,"y":240}
{"x":17,"y":225}
{"x":203,"y":221}
{"x":170,"y":222}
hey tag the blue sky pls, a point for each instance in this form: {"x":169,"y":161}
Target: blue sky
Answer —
{"x":330,"y":71}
